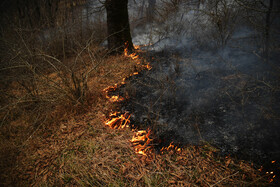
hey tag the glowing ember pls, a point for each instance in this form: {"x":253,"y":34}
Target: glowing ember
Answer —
{"x":118,"y":122}
{"x":135,"y":56}
{"x":137,"y":47}
{"x":126,"y":52}
{"x":148,"y":67}
{"x":170,"y":147}
{"x":115,"y":98}
{"x":111,"y":88}
{"x":141,"y":142}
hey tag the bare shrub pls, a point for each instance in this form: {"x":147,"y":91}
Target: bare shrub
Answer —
{"x":38,"y":80}
{"x":223,"y":16}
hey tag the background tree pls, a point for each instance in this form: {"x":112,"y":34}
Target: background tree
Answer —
{"x":151,"y":10}
{"x":119,"y":36}
{"x":268,"y":28}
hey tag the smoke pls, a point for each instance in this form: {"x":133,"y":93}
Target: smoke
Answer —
{"x":208,"y":85}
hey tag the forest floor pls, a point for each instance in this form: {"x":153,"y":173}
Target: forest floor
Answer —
{"x":79,"y":150}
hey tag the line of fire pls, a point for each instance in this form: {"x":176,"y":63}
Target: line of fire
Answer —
{"x":142,"y":140}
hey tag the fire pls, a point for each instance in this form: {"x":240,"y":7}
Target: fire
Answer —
{"x":171,"y":147}
{"x":115,"y":98}
{"x":148,"y":66}
{"x":112,"y":88}
{"x":125,"y":52}
{"x":134,"y":56}
{"x":135,"y":73}
{"x":118,"y":121}
{"x":141,"y":142}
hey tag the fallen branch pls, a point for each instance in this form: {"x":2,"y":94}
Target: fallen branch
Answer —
{"x":224,"y":179}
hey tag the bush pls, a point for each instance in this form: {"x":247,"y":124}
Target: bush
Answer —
{"x":38,"y":75}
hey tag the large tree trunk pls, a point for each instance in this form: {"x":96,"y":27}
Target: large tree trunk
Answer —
{"x":118,"y":26}
{"x":151,"y":10}
{"x":267,"y":29}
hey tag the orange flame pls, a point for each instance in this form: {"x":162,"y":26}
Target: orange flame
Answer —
{"x":171,"y":147}
{"x":115,"y":98}
{"x":134,"y":56}
{"x":148,"y":66}
{"x":118,"y":122}
{"x":137,"y":47}
{"x":125,"y":52}
{"x":141,"y":142}
{"x":111,"y":88}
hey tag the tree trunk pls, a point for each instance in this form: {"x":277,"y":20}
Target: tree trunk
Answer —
{"x":118,"y":26}
{"x":151,"y":10}
{"x":267,"y":29}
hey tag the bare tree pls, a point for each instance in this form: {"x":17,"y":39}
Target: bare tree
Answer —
{"x":263,"y":15}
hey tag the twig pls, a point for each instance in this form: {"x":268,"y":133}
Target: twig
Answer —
{"x":41,"y":124}
{"x":224,"y":179}
{"x":160,"y":96}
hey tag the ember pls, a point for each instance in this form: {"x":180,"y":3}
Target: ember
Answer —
{"x":170,"y":147}
{"x":142,"y":142}
{"x":118,"y":121}
{"x":115,"y":98}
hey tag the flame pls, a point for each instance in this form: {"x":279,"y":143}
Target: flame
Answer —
{"x":115,"y":98}
{"x":141,"y":142}
{"x":111,"y":88}
{"x":135,"y":73}
{"x":125,"y":52}
{"x":137,"y":47}
{"x":148,"y":66}
{"x":171,"y":147}
{"x":118,"y":122}
{"x":134,"y":56}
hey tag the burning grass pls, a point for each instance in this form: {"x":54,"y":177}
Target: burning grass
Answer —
{"x":84,"y":152}
{"x":81,"y":151}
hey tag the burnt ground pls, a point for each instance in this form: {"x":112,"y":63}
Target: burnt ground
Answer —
{"x":232,"y":105}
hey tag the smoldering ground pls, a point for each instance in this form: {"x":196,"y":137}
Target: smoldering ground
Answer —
{"x":208,"y":88}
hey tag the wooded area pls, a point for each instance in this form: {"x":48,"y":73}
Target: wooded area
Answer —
{"x":139,"y":93}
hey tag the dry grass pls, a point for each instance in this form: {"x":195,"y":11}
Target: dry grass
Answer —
{"x":78,"y":150}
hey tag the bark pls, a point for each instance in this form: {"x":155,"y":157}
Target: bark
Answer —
{"x":150,"y":10}
{"x":119,"y":36}
{"x":267,"y":29}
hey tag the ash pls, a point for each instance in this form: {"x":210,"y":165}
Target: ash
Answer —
{"x":209,"y":98}
{"x":205,"y":87}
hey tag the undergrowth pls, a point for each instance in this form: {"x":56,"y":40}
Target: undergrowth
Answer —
{"x":78,"y":150}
